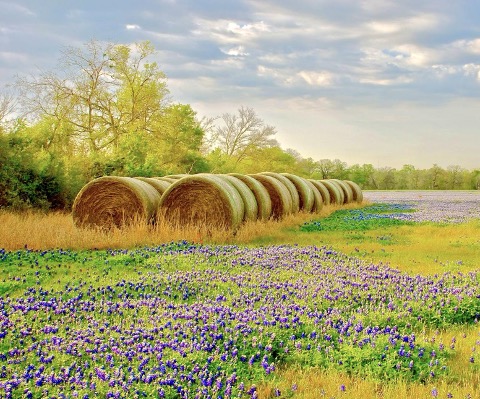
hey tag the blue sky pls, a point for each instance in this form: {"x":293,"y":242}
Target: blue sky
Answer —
{"x":385,"y":82}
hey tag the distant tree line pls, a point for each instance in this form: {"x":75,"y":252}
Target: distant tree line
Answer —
{"x":107,"y":110}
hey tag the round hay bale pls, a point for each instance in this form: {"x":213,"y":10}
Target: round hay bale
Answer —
{"x":249,"y":201}
{"x":327,"y":199}
{"x":347,"y":191}
{"x":279,"y":195}
{"x":264,"y":203}
{"x":336,"y":193}
{"x":290,"y":187}
{"x":202,"y":200}
{"x":342,"y":195}
{"x":317,"y":197}
{"x":159,"y":185}
{"x":304,"y":190}
{"x":166,"y":179}
{"x":114,"y":201}
{"x":357,"y":191}
{"x":178,"y":176}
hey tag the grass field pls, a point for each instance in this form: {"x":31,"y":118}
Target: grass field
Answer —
{"x":358,"y":302}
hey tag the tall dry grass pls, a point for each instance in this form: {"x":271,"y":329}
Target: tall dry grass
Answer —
{"x":37,"y":230}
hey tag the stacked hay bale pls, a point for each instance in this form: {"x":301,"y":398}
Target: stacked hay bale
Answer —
{"x":221,"y":201}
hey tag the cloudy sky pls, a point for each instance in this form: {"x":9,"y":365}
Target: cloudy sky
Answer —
{"x":385,"y":82}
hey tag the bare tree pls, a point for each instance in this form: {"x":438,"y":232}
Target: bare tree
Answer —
{"x":8,"y":105}
{"x":243,"y":133}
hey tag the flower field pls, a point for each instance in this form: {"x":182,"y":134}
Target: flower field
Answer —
{"x":183,"y":320}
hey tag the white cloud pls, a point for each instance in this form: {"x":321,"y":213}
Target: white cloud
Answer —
{"x":227,"y":31}
{"x":472,"y":70}
{"x":316,"y":78}
{"x":238,"y":51}
{"x":399,"y":80}
{"x":132,"y":27}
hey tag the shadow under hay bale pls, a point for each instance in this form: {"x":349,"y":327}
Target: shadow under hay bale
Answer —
{"x":159,"y":185}
{"x":264,"y":203}
{"x":357,"y":191}
{"x":202,"y":200}
{"x":114,"y":201}
{"x":249,"y":201}
{"x":327,"y":200}
{"x":305,"y":192}
{"x":279,"y":195}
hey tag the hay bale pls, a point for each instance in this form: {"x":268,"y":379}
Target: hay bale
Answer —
{"x":342,"y":195}
{"x":290,"y":187}
{"x":317,"y":197}
{"x":177,"y":176}
{"x":249,"y":201}
{"x":114,"y":201}
{"x":304,"y":190}
{"x":336,"y":193}
{"x":202,"y":200}
{"x":279,"y":195}
{"x":347,"y":191}
{"x":261,"y":194}
{"x":327,"y":200}
{"x":357,"y":191}
{"x":159,"y":185}
{"x":166,"y":179}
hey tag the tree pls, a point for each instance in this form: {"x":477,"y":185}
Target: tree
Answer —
{"x":242,"y":134}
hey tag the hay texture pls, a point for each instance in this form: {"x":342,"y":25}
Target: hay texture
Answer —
{"x":304,"y":190}
{"x":327,"y":200}
{"x":336,"y":193}
{"x":347,"y":191}
{"x":279,"y":195}
{"x":159,"y":185}
{"x":264,"y":203}
{"x":290,"y":187}
{"x":114,"y":201}
{"x":249,"y":201}
{"x":357,"y":191}
{"x":202,"y":200}
{"x":317,"y":197}
{"x":176,"y":177}
{"x":166,"y":179}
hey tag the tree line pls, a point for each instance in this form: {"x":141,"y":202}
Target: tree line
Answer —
{"x":107,"y":110}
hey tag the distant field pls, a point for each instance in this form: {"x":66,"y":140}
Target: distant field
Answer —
{"x":379,"y":300}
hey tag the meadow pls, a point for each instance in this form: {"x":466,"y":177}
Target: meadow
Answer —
{"x":378,"y":300}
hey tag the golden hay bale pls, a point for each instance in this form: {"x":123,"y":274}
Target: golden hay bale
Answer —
{"x":158,"y":185}
{"x":114,"y":201}
{"x":176,"y":177}
{"x":317,"y":197}
{"x":166,"y":179}
{"x":290,"y":187}
{"x":249,"y":201}
{"x":202,"y":200}
{"x":327,"y":199}
{"x":279,"y":195}
{"x":347,"y":191}
{"x":357,"y":191}
{"x":342,"y":195}
{"x":262,"y":197}
{"x":304,"y":190}
{"x":336,"y":194}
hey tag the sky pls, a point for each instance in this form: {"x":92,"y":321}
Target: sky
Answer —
{"x":384,"y":82}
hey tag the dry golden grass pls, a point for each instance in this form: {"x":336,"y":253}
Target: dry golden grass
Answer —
{"x":37,"y":230}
